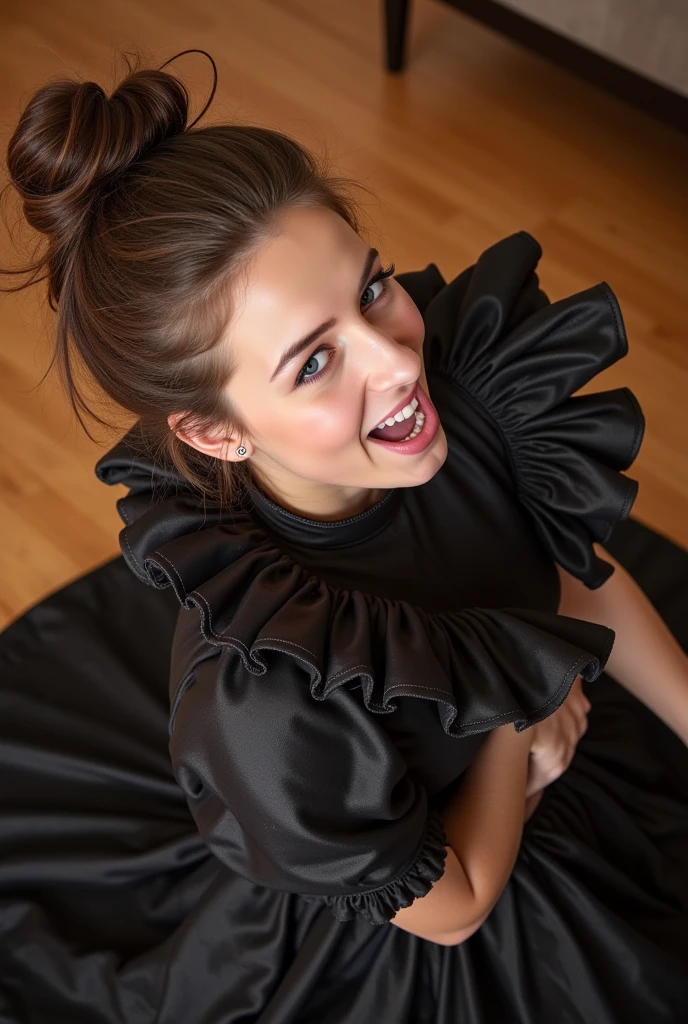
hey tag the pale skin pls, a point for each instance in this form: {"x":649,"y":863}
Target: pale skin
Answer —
{"x":310,"y":453}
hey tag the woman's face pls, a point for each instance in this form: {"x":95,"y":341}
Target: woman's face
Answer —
{"x":310,"y":410}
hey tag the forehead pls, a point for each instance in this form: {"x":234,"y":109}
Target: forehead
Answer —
{"x":312,"y":258}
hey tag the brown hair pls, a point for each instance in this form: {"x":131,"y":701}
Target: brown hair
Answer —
{"x":147,"y":223}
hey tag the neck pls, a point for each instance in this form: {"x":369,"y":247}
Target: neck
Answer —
{"x":321,"y":502}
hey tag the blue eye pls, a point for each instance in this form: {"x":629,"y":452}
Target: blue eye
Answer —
{"x":379,"y":278}
{"x":371,"y":288}
{"x":302,"y":378}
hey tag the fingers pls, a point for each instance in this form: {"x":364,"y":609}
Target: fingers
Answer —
{"x":583,"y":707}
{"x":553,"y":751}
{"x":549,"y":764}
{"x":532,"y":800}
{"x":556,"y":738}
{"x":576,"y":725}
{"x":580,"y":718}
{"x":578,"y":705}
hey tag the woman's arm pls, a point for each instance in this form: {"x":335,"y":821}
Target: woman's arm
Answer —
{"x":483,"y":822}
{"x":646,"y":658}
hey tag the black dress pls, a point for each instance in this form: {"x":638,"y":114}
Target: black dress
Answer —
{"x":329,"y":683}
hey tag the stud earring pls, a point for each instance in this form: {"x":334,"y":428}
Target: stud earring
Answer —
{"x":241,"y":450}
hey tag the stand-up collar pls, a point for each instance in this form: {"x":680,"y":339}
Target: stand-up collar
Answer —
{"x":317,"y":533}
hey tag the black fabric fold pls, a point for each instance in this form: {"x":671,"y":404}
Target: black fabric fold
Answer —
{"x":379,"y":906}
{"x":567,"y":451}
{"x":599,"y":881}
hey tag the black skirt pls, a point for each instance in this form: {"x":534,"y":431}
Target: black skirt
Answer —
{"x":113,"y":910}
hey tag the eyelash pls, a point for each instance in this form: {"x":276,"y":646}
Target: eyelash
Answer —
{"x":381,"y":275}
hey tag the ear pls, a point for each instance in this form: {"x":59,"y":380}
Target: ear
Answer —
{"x":220,"y":443}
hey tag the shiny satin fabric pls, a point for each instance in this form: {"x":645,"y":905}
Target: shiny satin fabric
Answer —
{"x":113,"y":911}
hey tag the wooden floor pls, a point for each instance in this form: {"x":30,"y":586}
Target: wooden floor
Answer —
{"x":478,"y":138}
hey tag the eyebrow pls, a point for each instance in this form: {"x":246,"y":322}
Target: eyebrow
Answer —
{"x":298,"y":346}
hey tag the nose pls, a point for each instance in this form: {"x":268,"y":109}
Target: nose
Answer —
{"x":388,"y":363}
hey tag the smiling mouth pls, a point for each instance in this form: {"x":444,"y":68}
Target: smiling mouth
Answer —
{"x":402,"y":429}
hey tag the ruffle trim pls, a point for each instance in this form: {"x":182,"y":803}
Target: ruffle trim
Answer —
{"x":482,"y":667}
{"x":380,"y":905}
{"x":520,"y":359}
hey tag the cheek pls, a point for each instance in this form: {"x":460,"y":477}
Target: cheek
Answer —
{"x":330,"y":425}
{"x":321,"y":426}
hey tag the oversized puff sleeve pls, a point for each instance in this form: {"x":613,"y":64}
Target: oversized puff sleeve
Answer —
{"x":519,"y":358}
{"x":303,"y":796}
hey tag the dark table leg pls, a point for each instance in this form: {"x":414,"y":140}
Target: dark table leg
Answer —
{"x":396,"y":20}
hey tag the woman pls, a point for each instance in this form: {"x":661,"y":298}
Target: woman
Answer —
{"x":382,"y":512}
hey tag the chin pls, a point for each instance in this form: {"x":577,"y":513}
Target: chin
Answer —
{"x":424,"y":466}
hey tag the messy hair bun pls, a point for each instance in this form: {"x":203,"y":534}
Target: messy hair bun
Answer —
{"x":147,"y":221}
{"x":73,"y":142}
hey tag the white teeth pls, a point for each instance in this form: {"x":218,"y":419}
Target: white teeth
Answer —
{"x":403,"y":414}
{"x":420,"y":420}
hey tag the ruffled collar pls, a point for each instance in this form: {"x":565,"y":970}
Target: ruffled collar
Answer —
{"x":315,"y":533}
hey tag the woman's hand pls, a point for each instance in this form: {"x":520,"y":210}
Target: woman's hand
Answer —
{"x":554,"y":742}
